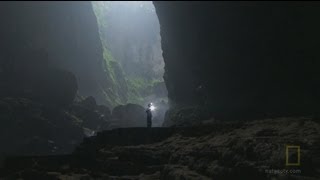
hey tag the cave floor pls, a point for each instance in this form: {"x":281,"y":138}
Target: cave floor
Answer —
{"x":250,"y":150}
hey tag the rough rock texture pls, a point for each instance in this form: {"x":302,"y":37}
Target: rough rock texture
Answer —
{"x":93,"y":116}
{"x":242,"y":59}
{"x":246,"y":150}
{"x":29,"y":128}
{"x":49,"y":51}
{"x":54,"y":87}
{"x":129,"y":115}
{"x":34,"y":79}
{"x":66,"y":32}
{"x":187,"y":116}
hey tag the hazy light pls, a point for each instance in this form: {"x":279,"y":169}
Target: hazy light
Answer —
{"x":130,"y":33}
{"x":152,"y":108}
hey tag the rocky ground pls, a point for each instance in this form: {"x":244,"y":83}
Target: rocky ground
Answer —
{"x":246,"y":150}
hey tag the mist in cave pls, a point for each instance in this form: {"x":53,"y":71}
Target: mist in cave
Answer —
{"x":160,"y":90}
{"x":130,"y":36}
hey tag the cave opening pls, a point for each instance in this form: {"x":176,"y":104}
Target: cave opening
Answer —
{"x":130,"y":36}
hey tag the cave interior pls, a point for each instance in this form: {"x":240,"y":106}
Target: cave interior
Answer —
{"x":235,"y":84}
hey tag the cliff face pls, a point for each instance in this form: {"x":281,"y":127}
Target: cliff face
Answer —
{"x":65,"y":32}
{"x":48,"y":52}
{"x":242,"y":59}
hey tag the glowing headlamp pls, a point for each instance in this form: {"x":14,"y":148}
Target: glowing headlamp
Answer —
{"x":152,"y":108}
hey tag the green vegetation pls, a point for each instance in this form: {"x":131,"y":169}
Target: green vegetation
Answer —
{"x":132,"y":73}
{"x":138,"y":88}
{"x":109,"y":63}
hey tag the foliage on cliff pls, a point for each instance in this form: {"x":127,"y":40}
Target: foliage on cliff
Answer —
{"x":129,"y":32}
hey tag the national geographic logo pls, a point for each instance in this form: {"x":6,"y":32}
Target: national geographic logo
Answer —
{"x":292,"y":159}
{"x":292,"y":155}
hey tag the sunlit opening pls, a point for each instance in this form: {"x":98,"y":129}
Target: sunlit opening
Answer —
{"x":130,"y":35}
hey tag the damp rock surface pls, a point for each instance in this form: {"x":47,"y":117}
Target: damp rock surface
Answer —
{"x":247,"y":150}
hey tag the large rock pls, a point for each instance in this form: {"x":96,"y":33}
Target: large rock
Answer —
{"x":29,"y":128}
{"x":89,"y":103}
{"x":94,"y":117}
{"x":67,"y":31}
{"x":31,"y":77}
{"x":129,"y":115}
{"x":254,"y":59}
{"x":187,"y":116}
{"x":55,"y":87}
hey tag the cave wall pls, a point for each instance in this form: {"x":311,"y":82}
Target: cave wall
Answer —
{"x":65,"y":32}
{"x":242,"y":59}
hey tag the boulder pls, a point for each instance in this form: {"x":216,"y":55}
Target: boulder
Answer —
{"x":187,"y":116}
{"x":29,"y":128}
{"x":55,"y":87}
{"x":129,"y":115}
{"x":94,"y":117}
{"x":89,"y":103}
{"x":104,"y":110}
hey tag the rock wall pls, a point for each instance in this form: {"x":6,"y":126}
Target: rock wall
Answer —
{"x":242,"y":59}
{"x":48,"y":52}
{"x":66,"y":32}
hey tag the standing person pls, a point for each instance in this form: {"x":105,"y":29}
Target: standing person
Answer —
{"x":149,"y":115}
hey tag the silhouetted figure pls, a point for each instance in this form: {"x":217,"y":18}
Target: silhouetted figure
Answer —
{"x":149,"y":115}
{"x":202,"y":94}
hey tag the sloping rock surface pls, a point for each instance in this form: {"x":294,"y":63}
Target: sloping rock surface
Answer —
{"x":246,"y":150}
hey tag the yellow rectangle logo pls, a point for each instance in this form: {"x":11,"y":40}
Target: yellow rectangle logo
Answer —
{"x":292,"y":148}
